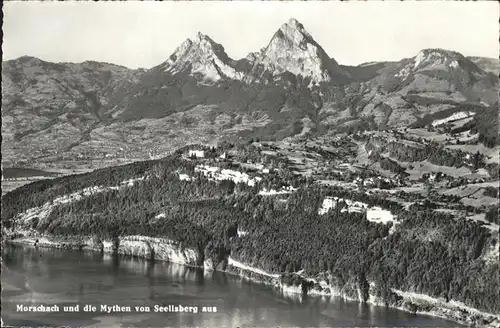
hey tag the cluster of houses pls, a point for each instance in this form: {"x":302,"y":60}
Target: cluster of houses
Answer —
{"x":450,"y":181}
{"x":377,"y":182}
{"x":198,"y":154}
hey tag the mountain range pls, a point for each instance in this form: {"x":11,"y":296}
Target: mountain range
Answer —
{"x":376,"y":183}
{"x":56,"y":112}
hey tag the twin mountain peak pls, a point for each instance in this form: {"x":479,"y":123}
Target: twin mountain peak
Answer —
{"x":291,"y":49}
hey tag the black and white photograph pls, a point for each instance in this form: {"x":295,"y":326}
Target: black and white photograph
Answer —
{"x":237,"y":164}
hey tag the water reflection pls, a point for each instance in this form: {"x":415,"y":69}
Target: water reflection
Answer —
{"x":44,"y":276}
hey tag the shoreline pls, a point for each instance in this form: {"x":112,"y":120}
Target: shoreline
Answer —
{"x":140,"y":247}
{"x":445,"y":313}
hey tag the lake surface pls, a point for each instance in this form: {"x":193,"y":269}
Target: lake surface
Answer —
{"x":15,"y":172}
{"x":33,"y":276}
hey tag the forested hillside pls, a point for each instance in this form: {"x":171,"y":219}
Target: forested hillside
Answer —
{"x":424,"y":251}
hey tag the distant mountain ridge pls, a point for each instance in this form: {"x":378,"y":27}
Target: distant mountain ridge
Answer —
{"x":491,"y":65}
{"x":291,"y":87}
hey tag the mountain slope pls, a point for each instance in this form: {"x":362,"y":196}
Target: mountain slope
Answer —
{"x":97,"y":111}
{"x":434,"y":71}
{"x":204,"y":59}
{"x":491,"y":65}
{"x":400,"y":93}
{"x":47,"y":107}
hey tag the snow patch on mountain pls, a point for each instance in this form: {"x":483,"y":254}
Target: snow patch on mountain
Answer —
{"x":419,"y":58}
{"x":424,"y":57}
{"x":454,"y":117}
{"x":435,"y":57}
{"x":404,"y":72}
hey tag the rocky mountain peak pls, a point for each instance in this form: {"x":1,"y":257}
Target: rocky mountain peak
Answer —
{"x":205,"y":43}
{"x":293,"y":22}
{"x":200,"y":36}
{"x":293,"y":49}
{"x":295,"y":32}
{"x":292,"y":37}
{"x":202,"y":57}
{"x":202,"y":48}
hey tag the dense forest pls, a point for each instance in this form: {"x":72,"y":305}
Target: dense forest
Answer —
{"x":492,"y":215}
{"x":429,"y":252}
{"x":485,"y":123}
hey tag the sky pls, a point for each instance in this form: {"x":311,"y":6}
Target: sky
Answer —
{"x":144,"y":34}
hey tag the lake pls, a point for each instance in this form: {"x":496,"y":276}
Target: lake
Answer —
{"x":31,"y":277}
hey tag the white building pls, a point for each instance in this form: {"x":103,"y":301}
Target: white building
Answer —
{"x":196,"y":153}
